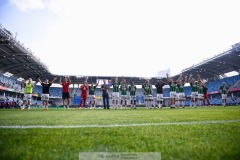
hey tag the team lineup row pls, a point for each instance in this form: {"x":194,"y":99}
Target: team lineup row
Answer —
{"x":121,"y":89}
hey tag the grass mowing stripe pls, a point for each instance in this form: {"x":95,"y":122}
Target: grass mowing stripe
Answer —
{"x":121,"y":125}
{"x":54,"y":117}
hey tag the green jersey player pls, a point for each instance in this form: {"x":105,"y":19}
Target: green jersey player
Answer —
{"x":92,"y":95}
{"x":173,"y":94}
{"x":224,"y":90}
{"x":147,"y":91}
{"x":115,"y":94}
{"x":180,"y":91}
{"x":194,"y":90}
{"x":124,"y":89}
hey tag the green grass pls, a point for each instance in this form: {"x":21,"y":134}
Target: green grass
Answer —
{"x":198,"y":141}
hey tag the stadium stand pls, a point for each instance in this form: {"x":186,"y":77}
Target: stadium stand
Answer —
{"x":9,"y":83}
{"x":217,"y":66}
{"x":17,"y":59}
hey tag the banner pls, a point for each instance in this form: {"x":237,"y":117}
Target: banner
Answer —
{"x":10,"y":89}
{"x":163,"y":73}
{"x":3,"y":88}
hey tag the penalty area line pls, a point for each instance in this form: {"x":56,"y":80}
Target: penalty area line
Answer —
{"x":117,"y":125}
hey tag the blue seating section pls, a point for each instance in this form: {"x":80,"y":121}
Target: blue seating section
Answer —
{"x":10,"y":82}
{"x":232,"y":82}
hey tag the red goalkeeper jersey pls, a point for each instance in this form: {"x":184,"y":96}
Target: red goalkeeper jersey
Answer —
{"x":65,"y":86}
{"x":84,"y":89}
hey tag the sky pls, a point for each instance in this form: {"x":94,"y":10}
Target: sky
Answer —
{"x":122,"y":37}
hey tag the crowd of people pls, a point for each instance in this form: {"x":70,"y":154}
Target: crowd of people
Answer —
{"x":10,"y":83}
{"x":120,"y":94}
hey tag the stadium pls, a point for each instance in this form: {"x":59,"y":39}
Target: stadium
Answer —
{"x":204,"y":132}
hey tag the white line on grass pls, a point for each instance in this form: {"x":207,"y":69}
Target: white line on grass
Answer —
{"x":122,"y":125}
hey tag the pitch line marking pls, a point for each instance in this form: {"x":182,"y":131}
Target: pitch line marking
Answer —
{"x":118,"y":125}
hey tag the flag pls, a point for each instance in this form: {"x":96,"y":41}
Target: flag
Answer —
{"x":163,"y":73}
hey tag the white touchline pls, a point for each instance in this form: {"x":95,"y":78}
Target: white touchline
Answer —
{"x":119,"y":125}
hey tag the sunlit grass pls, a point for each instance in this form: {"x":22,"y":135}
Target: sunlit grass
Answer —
{"x":199,"y":141}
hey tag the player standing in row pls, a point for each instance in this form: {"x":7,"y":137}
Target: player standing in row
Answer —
{"x":173,"y":93}
{"x":28,"y":89}
{"x":223,"y":89}
{"x":194,"y":91}
{"x":200,"y":93}
{"x":132,"y":89}
{"x":45,"y":92}
{"x":92,"y":95}
{"x":65,"y":91}
{"x":205,"y":94}
{"x":180,"y":91}
{"x":123,"y":90}
{"x":159,"y":86}
{"x":115,"y":94}
{"x":147,"y":91}
{"x":84,"y":92}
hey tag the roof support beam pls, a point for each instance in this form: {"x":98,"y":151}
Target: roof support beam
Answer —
{"x":209,"y":70}
{"x":4,"y":51}
{"x":13,"y":66}
{"x":232,"y":64}
{"x":11,"y":57}
{"x":32,"y":73}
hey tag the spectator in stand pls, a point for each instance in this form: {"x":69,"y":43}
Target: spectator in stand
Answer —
{"x":10,"y":103}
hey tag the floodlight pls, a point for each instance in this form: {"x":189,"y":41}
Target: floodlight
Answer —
{"x":20,"y":79}
{"x":7,"y":74}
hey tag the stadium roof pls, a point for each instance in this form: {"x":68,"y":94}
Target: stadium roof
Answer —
{"x":17,"y":59}
{"x":217,"y":66}
{"x":21,"y":62}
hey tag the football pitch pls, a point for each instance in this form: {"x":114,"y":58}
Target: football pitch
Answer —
{"x":190,"y":133}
